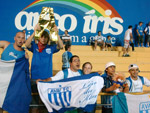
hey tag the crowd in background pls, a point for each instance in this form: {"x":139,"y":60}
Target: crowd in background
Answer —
{"x":42,"y":60}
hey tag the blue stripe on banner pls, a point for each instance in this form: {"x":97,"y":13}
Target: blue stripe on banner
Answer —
{"x":89,"y":108}
{"x":55,"y":99}
{"x":119,"y":103}
{"x":69,"y":96}
{"x":18,"y":101}
{"x":61,"y":100}
{"x":65,"y":98}
{"x":50,"y":98}
{"x":88,"y":76}
{"x":66,"y":93}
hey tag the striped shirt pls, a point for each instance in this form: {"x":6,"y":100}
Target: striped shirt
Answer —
{"x":107,"y":83}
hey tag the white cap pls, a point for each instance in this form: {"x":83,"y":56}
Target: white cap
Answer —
{"x":109,"y":64}
{"x":131,"y":66}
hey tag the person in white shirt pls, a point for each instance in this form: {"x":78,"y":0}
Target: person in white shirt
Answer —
{"x":66,"y":38}
{"x":99,"y":40}
{"x":134,"y":81}
{"x":67,"y":73}
{"x":73,"y":71}
{"x":147,"y":32}
{"x":128,"y":36}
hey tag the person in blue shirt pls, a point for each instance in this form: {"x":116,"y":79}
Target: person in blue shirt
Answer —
{"x":110,"y":68}
{"x":41,"y":66}
{"x":108,"y":44}
{"x":147,"y":32}
{"x":13,"y":51}
{"x":140,"y":34}
{"x":109,"y":87}
{"x":66,"y":57}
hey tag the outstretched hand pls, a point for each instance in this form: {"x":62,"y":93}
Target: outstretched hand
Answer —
{"x":37,"y":27}
{"x":55,"y":28}
{"x":38,"y":80}
{"x":99,"y":72}
{"x":45,"y":80}
{"x":113,"y":87}
{"x":126,"y":88}
{"x":26,"y":55}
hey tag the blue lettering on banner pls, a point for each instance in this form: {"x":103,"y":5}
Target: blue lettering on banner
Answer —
{"x":144,"y":107}
{"x":60,"y":96}
{"x":89,"y":92}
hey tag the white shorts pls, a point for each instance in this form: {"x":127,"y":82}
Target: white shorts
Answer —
{"x":126,"y":44}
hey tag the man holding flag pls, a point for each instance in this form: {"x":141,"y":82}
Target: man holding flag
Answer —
{"x":61,"y":94}
{"x":137,"y":102}
{"x":15,"y":89}
{"x":73,"y":71}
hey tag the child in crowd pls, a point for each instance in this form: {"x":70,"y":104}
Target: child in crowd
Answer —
{"x":108,"y":44}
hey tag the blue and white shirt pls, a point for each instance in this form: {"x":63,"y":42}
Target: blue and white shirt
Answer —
{"x":41,"y":67}
{"x":60,"y":75}
{"x":65,"y":59}
{"x":137,"y":85}
{"x":147,"y":30}
{"x":107,"y":99}
{"x":10,"y":53}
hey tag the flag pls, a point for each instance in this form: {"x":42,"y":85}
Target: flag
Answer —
{"x":67,"y":94}
{"x":129,"y":103}
{"x":15,"y":88}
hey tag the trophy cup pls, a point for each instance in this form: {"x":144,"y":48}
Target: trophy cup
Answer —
{"x":47,"y":24}
{"x":53,"y":34}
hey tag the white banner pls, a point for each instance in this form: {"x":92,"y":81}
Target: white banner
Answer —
{"x":75,"y":92}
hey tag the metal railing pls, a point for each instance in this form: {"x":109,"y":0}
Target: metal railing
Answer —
{"x":100,"y":94}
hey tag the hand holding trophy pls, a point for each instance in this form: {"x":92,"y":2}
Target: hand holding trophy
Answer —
{"x":47,"y":23}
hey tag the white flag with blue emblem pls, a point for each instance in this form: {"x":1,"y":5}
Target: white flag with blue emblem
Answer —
{"x":76,"y":92}
{"x":129,"y":103}
{"x":15,"y":88}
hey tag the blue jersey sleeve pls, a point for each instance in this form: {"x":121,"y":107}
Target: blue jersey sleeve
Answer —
{"x":32,"y":46}
{"x":140,"y":30}
{"x":54,"y":48}
{"x":108,"y":41}
{"x":138,"y":27}
{"x":69,"y":55}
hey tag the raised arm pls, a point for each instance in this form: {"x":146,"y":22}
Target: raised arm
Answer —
{"x":29,"y":40}
{"x":138,"y":32}
{"x":45,"y":80}
{"x":111,"y":88}
{"x":59,"y":43}
{"x":146,"y":82}
{"x":4,"y":44}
